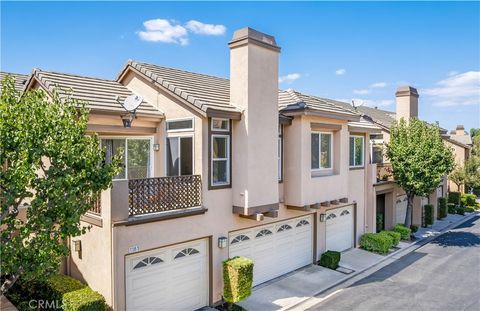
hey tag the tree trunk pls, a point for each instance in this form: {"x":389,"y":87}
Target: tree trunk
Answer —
{"x":8,"y":283}
{"x":408,"y":216}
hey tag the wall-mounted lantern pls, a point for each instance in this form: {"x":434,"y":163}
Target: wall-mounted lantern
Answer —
{"x":222,"y":242}
{"x":322,"y":217}
{"x":156,"y":147}
{"x":77,"y":246}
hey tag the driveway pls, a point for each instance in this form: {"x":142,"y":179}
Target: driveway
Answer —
{"x":441,"y":275}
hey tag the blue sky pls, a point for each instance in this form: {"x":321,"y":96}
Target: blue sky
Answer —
{"x":338,"y":50}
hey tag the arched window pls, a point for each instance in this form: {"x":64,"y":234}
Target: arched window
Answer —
{"x":302,"y":222}
{"x":331,"y":216}
{"x":186,"y":252}
{"x":345,"y":212}
{"x":263,"y":233}
{"x":147,"y":262}
{"x":240,"y":238}
{"x":284,"y":227}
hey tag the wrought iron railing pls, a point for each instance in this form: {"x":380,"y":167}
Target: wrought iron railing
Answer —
{"x":96,"y":205}
{"x":160,"y":194}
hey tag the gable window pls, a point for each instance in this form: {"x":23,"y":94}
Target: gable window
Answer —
{"x":179,"y":155}
{"x":135,"y":156}
{"x":356,"y":150}
{"x":180,"y":125}
{"x":220,"y":139}
{"x":321,"y":151}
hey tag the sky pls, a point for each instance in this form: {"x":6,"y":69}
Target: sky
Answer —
{"x":339,"y":50}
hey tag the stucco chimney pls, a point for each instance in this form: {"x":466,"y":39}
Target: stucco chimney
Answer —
{"x":407,"y":102}
{"x":460,"y":130}
{"x":254,"y":89}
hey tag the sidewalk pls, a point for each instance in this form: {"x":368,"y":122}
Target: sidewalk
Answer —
{"x":298,"y":287}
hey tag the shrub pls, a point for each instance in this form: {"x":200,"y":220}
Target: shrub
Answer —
{"x":237,"y":279}
{"x":379,"y":222}
{"x":59,"y":285}
{"x":394,"y":235}
{"x":330,"y":259}
{"x":467,"y":199}
{"x":376,"y":242}
{"x":451,"y":208}
{"x":454,"y":197}
{"x":414,"y":228}
{"x":428,"y":214}
{"x":84,"y":299}
{"x":442,"y":208}
{"x":460,"y":211}
{"x":470,"y":209}
{"x":404,"y":231}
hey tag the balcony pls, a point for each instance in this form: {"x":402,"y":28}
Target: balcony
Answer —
{"x":384,"y":172}
{"x":159,"y":197}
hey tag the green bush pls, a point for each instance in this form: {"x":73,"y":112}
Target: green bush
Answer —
{"x":428,"y":214}
{"x":58,"y":285}
{"x":376,"y":242}
{"x":394,"y":235}
{"x":460,"y":211}
{"x":451,"y":208}
{"x":330,"y":259}
{"x":454,"y":197}
{"x":467,"y":199}
{"x":237,"y":279}
{"x":442,"y":208}
{"x":404,"y":231}
{"x":470,"y":209}
{"x":379,"y":222}
{"x":414,"y":228}
{"x":84,"y":299}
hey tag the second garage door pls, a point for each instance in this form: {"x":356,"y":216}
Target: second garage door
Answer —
{"x":339,"y":233}
{"x":275,"y":249}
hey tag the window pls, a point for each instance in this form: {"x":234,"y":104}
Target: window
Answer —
{"x":148,"y":261}
{"x":284,"y":228}
{"x":356,"y":151}
{"x":302,"y":222}
{"x":263,"y":233}
{"x":280,"y":152}
{"x":186,"y":252}
{"x":240,"y":238}
{"x":221,"y":125}
{"x":179,"y":155}
{"x":376,"y":148}
{"x":180,"y":125}
{"x":135,"y":156}
{"x":321,"y":151}
{"x":220,"y":159}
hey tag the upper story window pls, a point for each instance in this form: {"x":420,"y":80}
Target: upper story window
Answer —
{"x":220,"y":163}
{"x":179,"y":155}
{"x":280,"y":152}
{"x":321,"y":151}
{"x":180,"y":125}
{"x":376,"y":148}
{"x":356,"y":150}
{"x":135,"y":153}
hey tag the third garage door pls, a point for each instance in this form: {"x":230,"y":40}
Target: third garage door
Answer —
{"x":276,"y":248}
{"x":340,"y":224}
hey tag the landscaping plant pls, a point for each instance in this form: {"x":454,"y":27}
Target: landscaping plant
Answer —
{"x":451,"y":208}
{"x":442,"y":208}
{"x":396,"y":236}
{"x":460,"y":210}
{"x":414,"y":228}
{"x":419,"y":159}
{"x":428,"y":214}
{"x":454,"y":198}
{"x":376,"y":242}
{"x":53,"y":170}
{"x":470,"y":209}
{"x":403,"y":231}
{"x":467,"y":199}
{"x":330,"y":259}
{"x":237,"y":279}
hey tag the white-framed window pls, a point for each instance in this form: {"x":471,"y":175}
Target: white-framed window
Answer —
{"x":357,"y":143}
{"x":136,"y":155}
{"x":321,"y":151}
{"x":280,"y":152}
{"x":220,"y":157}
{"x":179,"y":151}
{"x":180,"y":125}
{"x":220,"y":125}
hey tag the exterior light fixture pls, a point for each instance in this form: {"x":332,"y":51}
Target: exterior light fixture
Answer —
{"x":322,"y":217}
{"x":130,"y":104}
{"x":222,"y":242}
{"x":77,"y":245}
{"x":156,"y":147}
{"x":127,"y":120}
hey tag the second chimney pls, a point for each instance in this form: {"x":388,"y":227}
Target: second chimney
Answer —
{"x":407,"y":102}
{"x":460,"y":130}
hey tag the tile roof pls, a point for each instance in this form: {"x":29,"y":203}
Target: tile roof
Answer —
{"x":100,"y":94}
{"x":463,"y":139}
{"x":20,"y":80}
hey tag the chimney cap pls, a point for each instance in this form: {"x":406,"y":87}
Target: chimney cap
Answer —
{"x":406,"y":90}
{"x":250,"y":35}
{"x":453,"y":132}
{"x":460,"y":127}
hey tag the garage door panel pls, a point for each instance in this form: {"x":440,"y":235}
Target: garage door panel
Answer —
{"x":339,"y":228}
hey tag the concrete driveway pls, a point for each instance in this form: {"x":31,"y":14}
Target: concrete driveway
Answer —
{"x":441,"y":275}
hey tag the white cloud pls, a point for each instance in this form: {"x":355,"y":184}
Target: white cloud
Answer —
{"x":378,"y":85}
{"x":205,"y":29}
{"x":362,"y":92}
{"x":457,"y":90}
{"x":340,"y":72}
{"x":162,"y":30}
{"x":289,"y":78}
{"x":379,"y":103}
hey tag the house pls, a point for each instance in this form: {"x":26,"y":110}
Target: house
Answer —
{"x":215,"y":168}
{"x":462,"y":144}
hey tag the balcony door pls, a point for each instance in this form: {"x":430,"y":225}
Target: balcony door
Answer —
{"x":180,"y":155}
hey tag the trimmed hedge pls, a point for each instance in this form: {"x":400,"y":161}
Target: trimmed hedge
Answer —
{"x":414,"y":228}
{"x":330,"y":259}
{"x":470,"y":209}
{"x":451,"y":208}
{"x":428,"y":214}
{"x":404,"y":231}
{"x":376,"y":242}
{"x":454,"y":197}
{"x":237,"y":279}
{"x":460,"y":211}
{"x":467,"y":199}
{"x":394,"y":235}
{"x":442,"y":208}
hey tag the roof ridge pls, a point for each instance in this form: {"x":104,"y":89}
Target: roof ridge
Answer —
{"x":37,"y":70}
{"x":14,"y":74}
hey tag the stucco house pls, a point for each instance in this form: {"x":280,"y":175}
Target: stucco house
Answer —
{"x":215,"y":168}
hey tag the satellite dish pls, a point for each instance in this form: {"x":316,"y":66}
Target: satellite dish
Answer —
{"x":132,"y":102}
{"x":355,"y":105}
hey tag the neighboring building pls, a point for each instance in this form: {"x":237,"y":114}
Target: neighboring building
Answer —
{"x":215,"y":168}
{"x":461,"y":142}
{"x":20,"y":80}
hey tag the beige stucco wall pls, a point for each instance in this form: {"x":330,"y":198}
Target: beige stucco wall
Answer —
{"x":460,"y":155}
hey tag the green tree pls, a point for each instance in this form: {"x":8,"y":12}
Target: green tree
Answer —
{"x":419,"y":159}
{"x":472,"y":174}
{"x":51,"y":168}
{"x":457,"y":176}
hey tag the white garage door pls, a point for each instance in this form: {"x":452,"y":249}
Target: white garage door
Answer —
{"x":170,"y":278}
{"x":400,"y":209}
{"x":276,"y":248}
{"x":339,"y":234}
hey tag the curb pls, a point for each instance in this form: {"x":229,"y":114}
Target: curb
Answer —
{"x":404,"y":251}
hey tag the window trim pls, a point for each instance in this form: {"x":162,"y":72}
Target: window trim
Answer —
{"x":363,"y":150}
{"x":322,"y":169}
{"x":126,"y":138}
{"x":179,"y":135}
{"x":220,"y":130}
{"x":211,"y":132}
{"x":212,"y":136}
{"x":181,"y":130}
{"x":281,"y":156}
